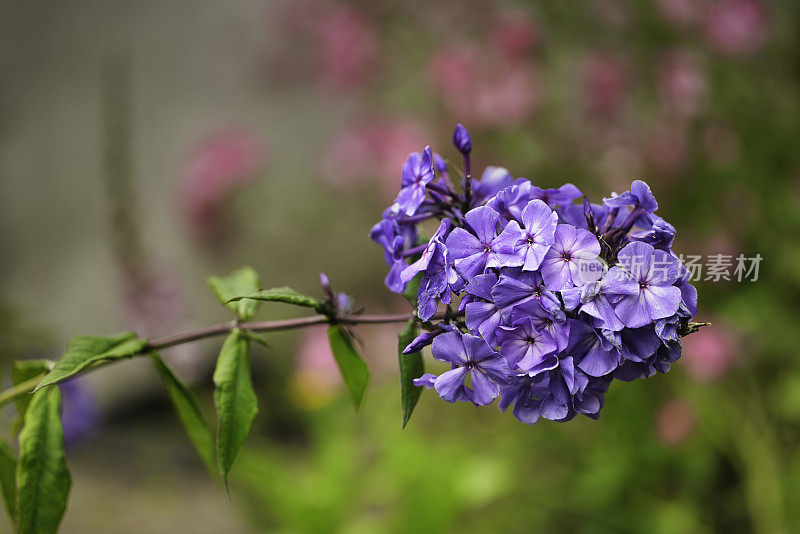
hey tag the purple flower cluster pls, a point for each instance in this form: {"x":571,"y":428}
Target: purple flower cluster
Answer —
{"x":545,"y":299}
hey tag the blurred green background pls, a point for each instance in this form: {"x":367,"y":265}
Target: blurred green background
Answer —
{"x":145,"y":145}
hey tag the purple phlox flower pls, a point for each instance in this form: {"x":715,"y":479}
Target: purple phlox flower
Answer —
{"x":426,"y":338}
{"x":574,"y":214}
{"x":481,"y":248}
{"x":516,"y":287}
{"x":562,"y":196}
{"x":661,"y":235}
{"x":688,"y":294}
{"x":644,"y":280}
{"x":660,"y":361}
{"x":469,"y":356}
{"x":642,"y":201}
{"x":80,"y":413}
{"x":591,"y":399}
{"x":597,"y":355}
{"x":554,"y":321}
{"x":440,"y":166}
{"x":527,"y":348}
{"x":539,"y":226}
{"x":436,"y":283}
{"x":417,"y":173}
{"x":565,"y":381}
{"x":526,"y":393}
{"x":462,"y":140}
{"x":492,"y":180}
{"x":639,"y":344}
{"x":572,"y":259}
{"x":667,"y":329}
{"x":510,"y":202}
{"x":481,"y":314}
{"x":427,"y":380}
{"x":592,"y":299}
{"x":436,"y":240}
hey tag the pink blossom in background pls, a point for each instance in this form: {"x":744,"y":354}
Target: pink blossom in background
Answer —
{"x":681,"y":83}
{"x":667,"y":148}
{"x":514,"y":34}
{"x":709,"y":354}
{"x":736,"y":27}
{"x":220,"y":164}
{"x":347,"y":48}
{"x":479,"y":87}
{"x":372,"y":150}
{"x":684,"y":12}
{"x":316,"y":378}
{"x":675,"y":422}
{"x":605,"y":84}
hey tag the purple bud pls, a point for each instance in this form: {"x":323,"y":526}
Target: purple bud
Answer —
{"x":344,"y":303}
{"x":422,"y":340}
{"x":462,"y":140}
{"x":325,"y":282}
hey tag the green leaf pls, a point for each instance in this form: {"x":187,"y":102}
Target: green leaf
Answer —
{"x":23,"y":370}
{"x":411,"y":367}
{"x":83,"y":351}
{"x":235,"y":399}
{"x":188,"y":409}
{"x":353,"y":367}
{"x":412,"y":290}
{"x":279,"y":294}
{"x":8,"y":483}
{"x":241,"y":282}
{"x":43,"y":479}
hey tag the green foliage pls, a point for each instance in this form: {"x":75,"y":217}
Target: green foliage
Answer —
{"x":188,"y":409}
{"x":83,"y":351}
{"x":352,"y":365}
{"x":235,"y":399}
{"x":8,"y":483}
{"x":21,"y":371}
{"x":411,"y":367}
{"x":43,"y":480}
{"x":412,"y":290}
{"x":280,"y":294}
{"x":243,"y":281}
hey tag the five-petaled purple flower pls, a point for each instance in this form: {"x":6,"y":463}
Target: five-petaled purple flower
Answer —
{"x":572,"y":259}
{"x":481,"y":248}
{"x":417,"y":174}
{"x":469,"y":356}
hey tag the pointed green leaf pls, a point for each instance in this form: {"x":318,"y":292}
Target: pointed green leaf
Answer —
{"x":8,"y":483}
{"x":279,"y":294}
{"x":23,"y":370}
{"x":412,"y":290}
{"x":188,"y":409}
{"x":241,"y":282}
{"x":235,"y":399}
{"x":353,"y":367}
{"x":83,"y":351}
{"x":43,"y":479}
{"x":411,"y":367}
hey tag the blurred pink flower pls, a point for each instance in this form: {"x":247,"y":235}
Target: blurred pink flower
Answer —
{"x":514,"y":34}
{"x":347,"y":47}
{"x":681,"y":83}
{"x":316,"y":378}
{"x":736,"y":27}
{"x":667,"y":148}
{"x":709,"y":354}
{"x":223,"y":162}
{"x":675,"y":422}
{"x":683,"y":12}
{"x":481,"y":88}
{"x":373,"y":150}
{"x":605,"y":84}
